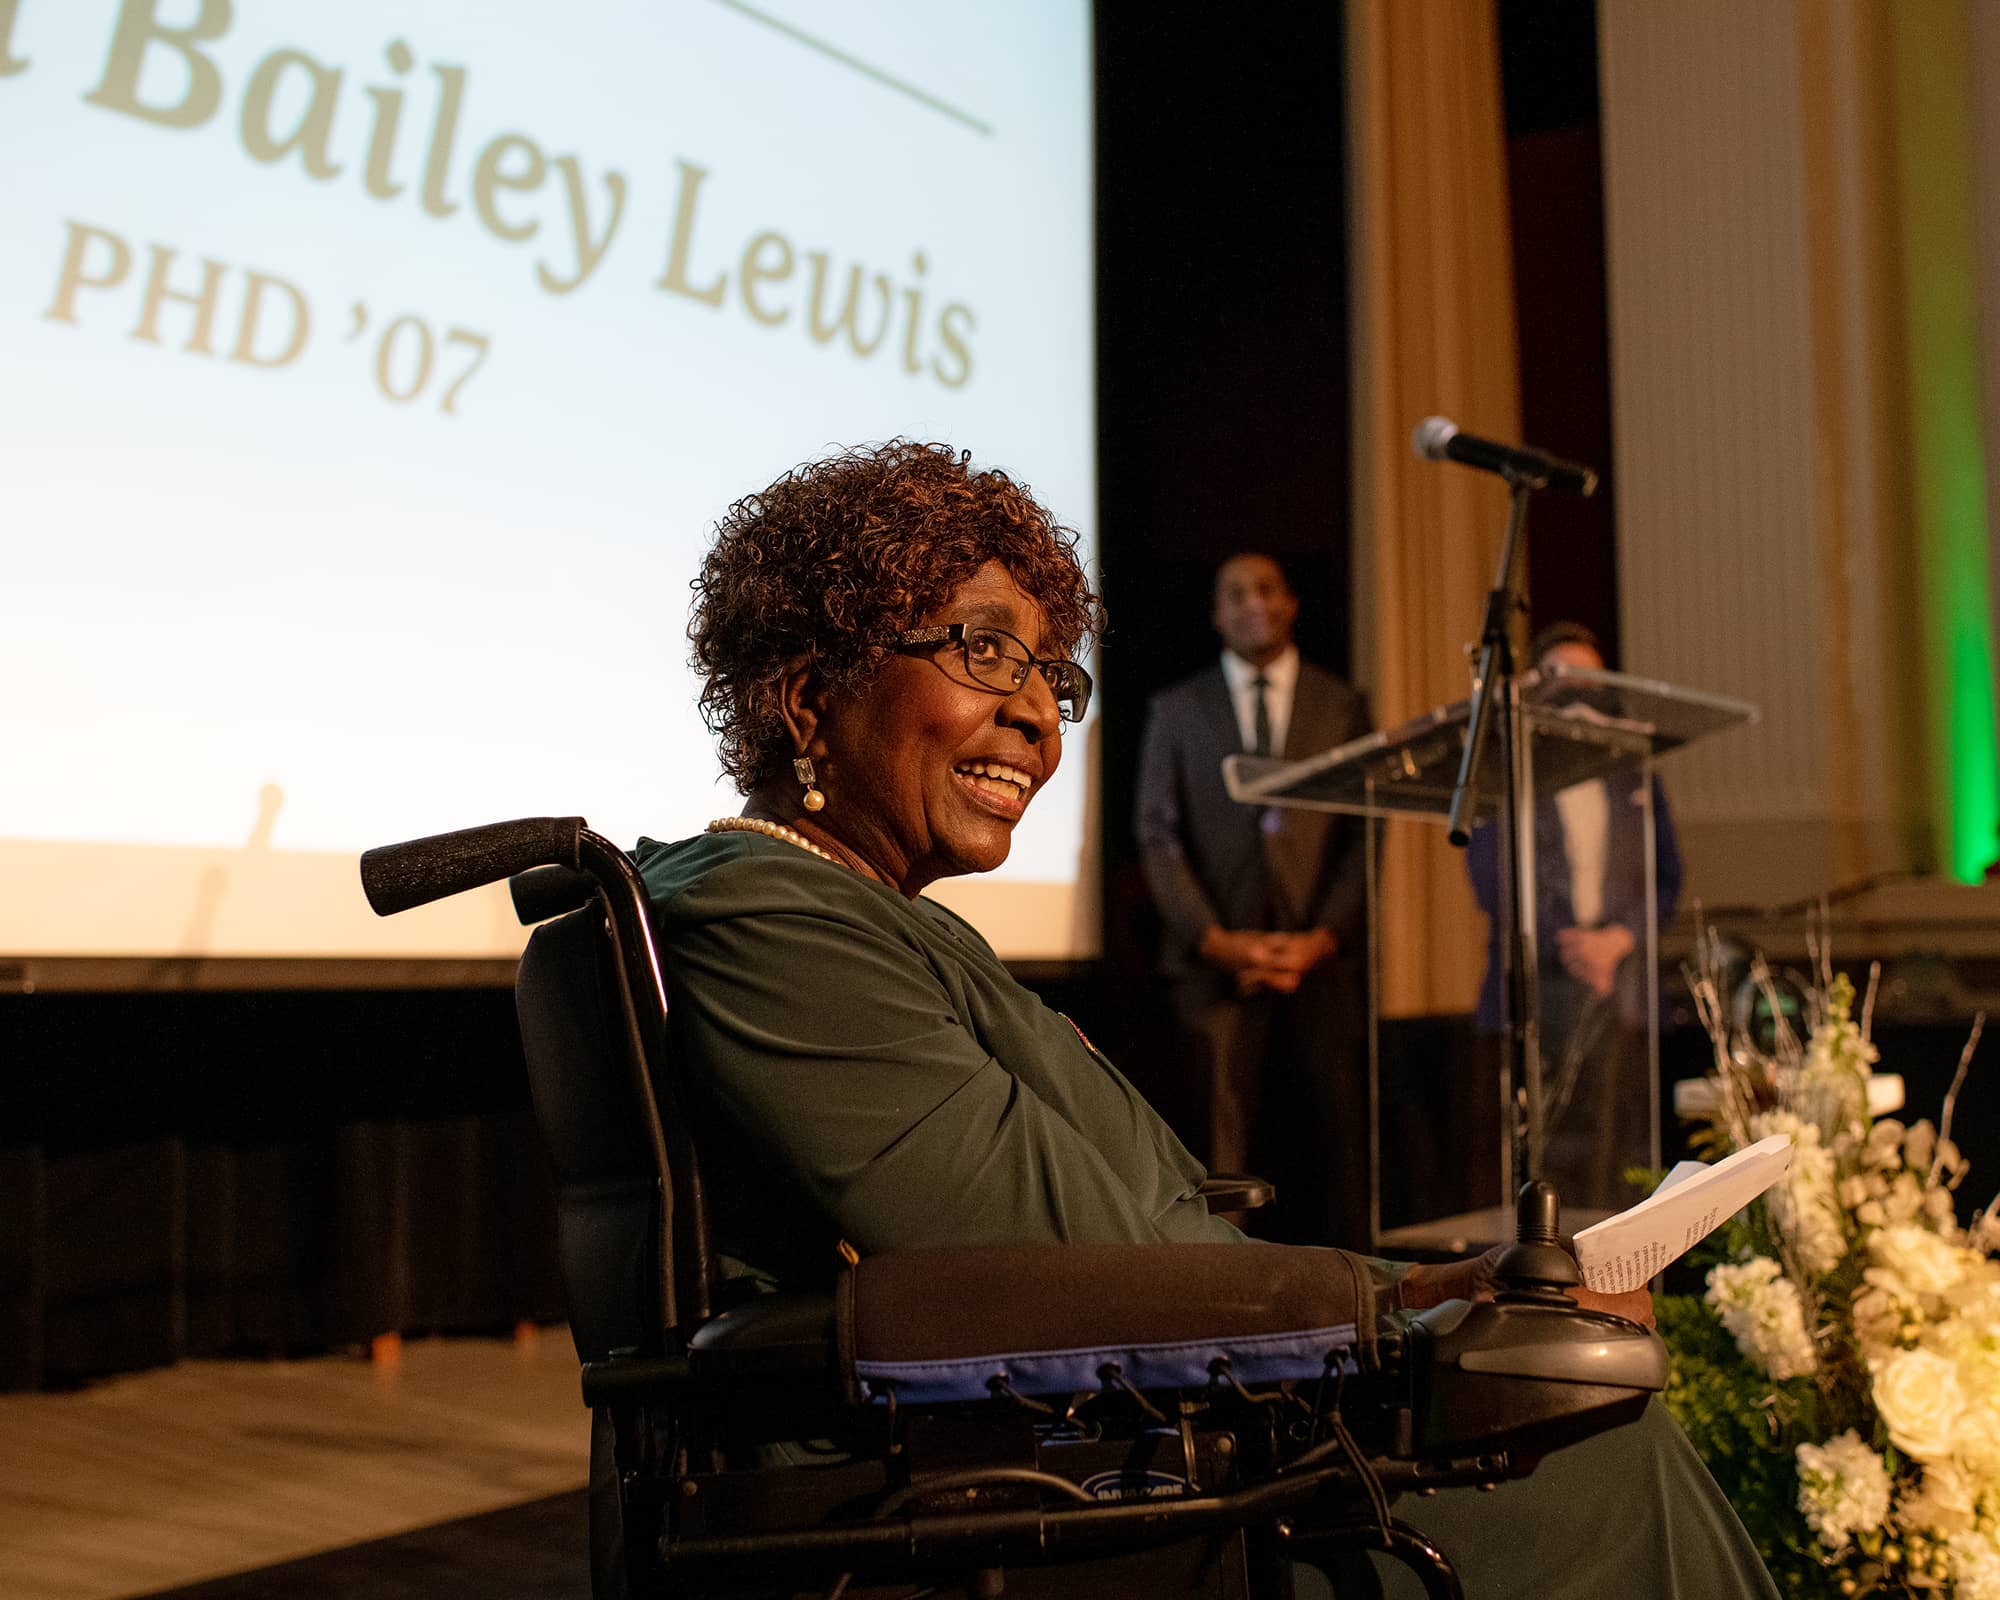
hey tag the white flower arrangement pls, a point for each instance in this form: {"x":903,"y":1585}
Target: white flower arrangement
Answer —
{"x":1764,"y":1313}
{"x":1865,"y":1321}
{"x":1843,"y":1489}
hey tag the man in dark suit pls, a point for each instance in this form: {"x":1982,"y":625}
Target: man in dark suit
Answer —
{"x":1265,"y":937}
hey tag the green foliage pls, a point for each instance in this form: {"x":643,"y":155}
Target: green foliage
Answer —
{"x":1642,"y":1181}
{"x":1745,"y":1427}
{"x":1744,"y":1235}
{"x":1709,"y":1142}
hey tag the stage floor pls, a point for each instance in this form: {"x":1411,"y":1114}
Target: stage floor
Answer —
{"x":162,"y":1478}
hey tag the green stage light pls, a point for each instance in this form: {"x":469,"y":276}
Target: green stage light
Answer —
{"x":1947,"y":421}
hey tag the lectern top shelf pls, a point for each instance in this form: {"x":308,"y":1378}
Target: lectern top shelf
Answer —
{"x":1583,"y":723}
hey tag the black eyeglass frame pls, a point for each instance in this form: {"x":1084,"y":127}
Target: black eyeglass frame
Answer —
{"x":1052,"y":668}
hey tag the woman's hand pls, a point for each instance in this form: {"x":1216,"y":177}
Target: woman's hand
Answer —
{"x":1432,"y":1283}
{"x":1635,"y":1305}
{"x":1477,"y":1278}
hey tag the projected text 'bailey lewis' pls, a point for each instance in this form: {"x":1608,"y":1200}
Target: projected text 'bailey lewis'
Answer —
{"x":292,"y":110}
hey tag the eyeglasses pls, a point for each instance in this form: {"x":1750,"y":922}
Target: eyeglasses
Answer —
{"x":996,"y":660}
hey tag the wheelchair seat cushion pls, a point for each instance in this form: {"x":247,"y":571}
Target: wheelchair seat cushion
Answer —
{"x":939,"y":1326}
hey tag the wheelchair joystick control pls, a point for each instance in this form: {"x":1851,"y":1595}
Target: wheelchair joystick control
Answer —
{"x":1535,"y":1267}
{"x":1531,"y":1368}
{"x":1536,"y":1212}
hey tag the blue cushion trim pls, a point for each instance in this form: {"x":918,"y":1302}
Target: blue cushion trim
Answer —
{"x":1253,"y":1358}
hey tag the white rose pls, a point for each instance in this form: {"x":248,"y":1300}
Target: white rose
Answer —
{"x":1977,"y":1437}
{"x":1920,"y":1260}
{"x":1918,"y":1396}
{"x":1946,"y":1502}
{"x":1975,"y":1566}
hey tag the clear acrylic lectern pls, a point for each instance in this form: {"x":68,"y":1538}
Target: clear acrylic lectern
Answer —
{"x":1590,"y":1099}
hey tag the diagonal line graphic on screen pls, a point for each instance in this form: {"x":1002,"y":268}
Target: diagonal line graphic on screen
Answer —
{"x":835,"y":53}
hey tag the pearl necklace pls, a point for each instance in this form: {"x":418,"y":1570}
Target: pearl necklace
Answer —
{"x":771,"y":830}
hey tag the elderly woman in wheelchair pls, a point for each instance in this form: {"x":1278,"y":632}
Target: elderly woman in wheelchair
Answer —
{"x":886,"y":1281}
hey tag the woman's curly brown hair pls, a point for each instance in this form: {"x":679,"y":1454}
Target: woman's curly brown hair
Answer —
{"x":840,"y":555}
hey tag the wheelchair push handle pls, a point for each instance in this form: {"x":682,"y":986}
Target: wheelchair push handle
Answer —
{"x":398,"y":877}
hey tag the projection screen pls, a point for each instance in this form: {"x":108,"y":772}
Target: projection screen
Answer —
{"x":375,"y":373}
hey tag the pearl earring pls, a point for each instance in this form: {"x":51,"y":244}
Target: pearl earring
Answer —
{"x":802,"y":765}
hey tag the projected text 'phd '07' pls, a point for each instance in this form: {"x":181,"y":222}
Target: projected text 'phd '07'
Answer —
{"x":296,"y":112}
{"x":272,"y":316}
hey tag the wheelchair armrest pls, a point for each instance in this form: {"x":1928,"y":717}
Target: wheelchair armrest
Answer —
{"x":622,"y":1380}
{"x":1236,"y":1191}
{"x":770,"y":1368}
{"x":773,"y":1335}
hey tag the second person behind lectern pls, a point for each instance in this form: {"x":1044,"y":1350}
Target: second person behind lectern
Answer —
{"x":1591,"y":935}
{"x":1264,"y":915}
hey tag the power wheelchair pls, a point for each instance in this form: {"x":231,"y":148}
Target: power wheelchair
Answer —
{"x":1169,"y":1420}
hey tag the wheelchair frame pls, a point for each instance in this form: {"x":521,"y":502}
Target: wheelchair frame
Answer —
{"x":1180,"y":1477}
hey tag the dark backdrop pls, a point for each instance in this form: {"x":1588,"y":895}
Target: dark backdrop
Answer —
{"x":1223,"y":412}
{"x":1548,"y":65}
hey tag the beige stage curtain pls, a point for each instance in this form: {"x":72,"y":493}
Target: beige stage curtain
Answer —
{"x":1849,"y":58}
{"x":1798,"y":217}
{"x":1433,"y":328}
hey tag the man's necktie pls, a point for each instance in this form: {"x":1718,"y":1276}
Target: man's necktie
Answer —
{"x":1261,"y":744}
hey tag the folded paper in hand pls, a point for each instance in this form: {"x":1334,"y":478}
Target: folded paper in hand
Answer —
{"x":1626,"y":1251}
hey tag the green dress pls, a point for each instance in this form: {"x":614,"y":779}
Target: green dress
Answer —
{"x":876,"y":1050}
{"x":866,"y":1070}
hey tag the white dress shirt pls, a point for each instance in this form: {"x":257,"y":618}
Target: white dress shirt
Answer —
{"x":1281,"y":678}
{"x":1585,"y":810}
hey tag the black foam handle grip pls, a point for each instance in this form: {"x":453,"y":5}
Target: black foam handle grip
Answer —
{"x":396,"y":877}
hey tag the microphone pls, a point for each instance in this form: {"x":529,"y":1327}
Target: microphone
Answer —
{"x":1438,"y":439}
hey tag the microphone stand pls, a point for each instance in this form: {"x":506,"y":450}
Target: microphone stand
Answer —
{"x":1496,"y":696}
